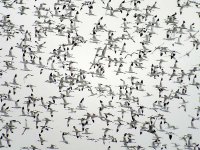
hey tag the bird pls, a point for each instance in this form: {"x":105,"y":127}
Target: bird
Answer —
{"x":25,"y":127}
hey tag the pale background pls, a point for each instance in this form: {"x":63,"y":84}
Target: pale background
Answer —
{"x":84,"y":55}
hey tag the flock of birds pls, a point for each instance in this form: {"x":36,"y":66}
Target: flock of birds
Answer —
{"x":120,"y":74}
